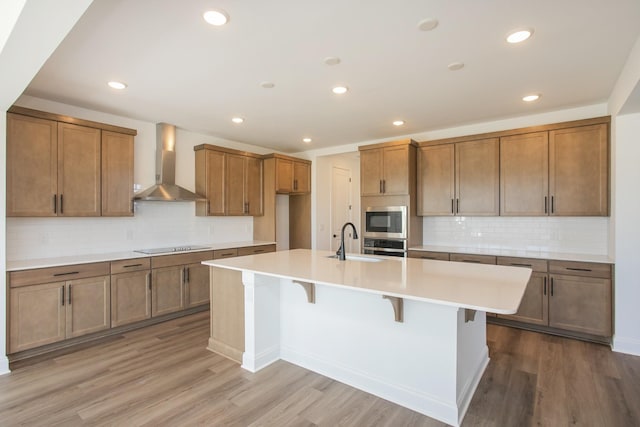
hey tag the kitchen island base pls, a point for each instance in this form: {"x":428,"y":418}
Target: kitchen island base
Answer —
{"x":431,"y":362}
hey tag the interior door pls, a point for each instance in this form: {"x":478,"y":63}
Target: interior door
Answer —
{"x":340,"y":207}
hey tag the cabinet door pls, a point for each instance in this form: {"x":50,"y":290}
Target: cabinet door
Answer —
{"x":88,"y":305}
{"x":284,"y":176}
{"x":197,"y":285}
{"x":477,"y":177}
{"x":130,"y":297}
{"x":301,"y":177}
{"x":534,"y":307}
{"x":167,"y":290}
{"x":32,"y":166}
{"x":117,"y":174}
{"x":371,"y":172}
{"x":234,"y":185}
{"x":215,"y":184}
{"x":524,"y":174}
{"x":581,"y":304}
{"x":253,"y":186}
{"x":579,"y":171}
{"x":78,"y":170}
{"x":436,"y":180}
{"x":395,"y":167}
{"x":37,"y":316}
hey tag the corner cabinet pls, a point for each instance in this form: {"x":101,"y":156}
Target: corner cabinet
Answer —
{"x":60,"y":166}
{"x":231,"y":181}
{"x":386,"y":169}
{"x":293,"y":176}
{"x":52,"y":304}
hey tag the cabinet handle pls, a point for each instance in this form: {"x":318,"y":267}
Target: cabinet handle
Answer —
{"x":429,"y":257}
{"x":132,"y":206}
{"x":452,"y":208}
{"x":55,"y":203}
{"x":184,"y":275}
{"x":545,"y":205}
{"x":544,"y":286}
{"x":552,"y":286}
{"x":257,"y":251}
{"x":61,"y":204}
{"x":578,"y":269}
{"x":473,"y":261}
{"x":132,"y":265}
{"x":295,"y":184}
{"x":515,"y":264}
{"x":62,"y":299}
{"x":208,"y":206}
{"x":69,"y":300}
{"x":457,"y":205}
{"x":66,"y":274}
{"x":380,"y":186}
{"x":187,"y":274}
{"x":552,"y":205}
{"x":384,"y":185}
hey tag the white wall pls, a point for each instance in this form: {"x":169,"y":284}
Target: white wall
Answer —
{"x":31,"y":30}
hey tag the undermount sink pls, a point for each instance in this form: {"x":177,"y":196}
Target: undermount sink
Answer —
{"x":357,"y":258}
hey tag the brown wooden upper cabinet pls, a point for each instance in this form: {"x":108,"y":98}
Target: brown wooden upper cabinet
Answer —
{"x":459,"y":179}
{"x":385,"y":169}
{"x":293,"y":176}
{"x":579,"y":171}
{"x":560,"y":172}
{"x":231,"y":181}
{"x":59,"y":168}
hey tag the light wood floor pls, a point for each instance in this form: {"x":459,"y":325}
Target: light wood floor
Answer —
{"x":163,"y":376}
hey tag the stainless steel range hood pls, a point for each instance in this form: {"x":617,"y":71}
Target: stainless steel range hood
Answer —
{"x":165,"y":189}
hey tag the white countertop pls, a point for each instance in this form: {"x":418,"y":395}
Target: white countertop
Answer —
{"x":560,"y":256}
{"x":490,"y":288}
{"x":28,"y":264}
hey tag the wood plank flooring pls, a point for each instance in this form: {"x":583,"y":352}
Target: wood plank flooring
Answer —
{"x":163,"y":376}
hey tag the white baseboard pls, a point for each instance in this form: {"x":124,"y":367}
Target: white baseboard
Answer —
{"x":626,"y":345}
{"x":261,"y":360}
{"x":4,"y":365}
{"x":416,"y":400}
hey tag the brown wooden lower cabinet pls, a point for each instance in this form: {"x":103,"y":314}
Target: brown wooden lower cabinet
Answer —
{"x":197,"y":285}
{"x":568,"y":297}
{"x":46,"y":313}
{"x":130,"y":297}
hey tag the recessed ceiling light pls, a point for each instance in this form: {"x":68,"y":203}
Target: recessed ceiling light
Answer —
{"x":307,"y":140}
{"x":427,"y":24}
{"x":339,"y":90}
{"x":332,"y":60}
{"x":455,"y":66}
{"x":216,"y":17}
{"x":531,"y":98}
{"x":117,"y":85}
{"x":398,"y":122}
{"x":518,"y":36}
{"x":267,"y":85}
{"x":237,"y":120}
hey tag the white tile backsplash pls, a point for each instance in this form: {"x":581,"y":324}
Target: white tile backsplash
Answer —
{"x":155,"y":224}
{"x":586,"y":235}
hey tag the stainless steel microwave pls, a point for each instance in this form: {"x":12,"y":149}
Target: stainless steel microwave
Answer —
{"x":386,"y":222}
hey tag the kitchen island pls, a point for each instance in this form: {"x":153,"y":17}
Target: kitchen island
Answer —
{"x":408,"y":330}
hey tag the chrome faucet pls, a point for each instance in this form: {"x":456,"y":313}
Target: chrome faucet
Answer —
{"x":342,"y":256}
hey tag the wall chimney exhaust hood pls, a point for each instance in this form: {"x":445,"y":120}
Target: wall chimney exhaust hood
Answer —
{"x":165,"y":189}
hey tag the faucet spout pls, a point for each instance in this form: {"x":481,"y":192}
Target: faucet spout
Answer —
{"x":342,"y":256}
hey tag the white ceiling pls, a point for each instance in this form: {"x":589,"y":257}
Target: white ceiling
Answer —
{"x":183,"y":71}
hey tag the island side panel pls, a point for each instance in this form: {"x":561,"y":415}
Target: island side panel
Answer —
{"x":472,"y":359}
{"x":351,"y":336}
{"x":262,"y":321}
{"x":227,"y":313}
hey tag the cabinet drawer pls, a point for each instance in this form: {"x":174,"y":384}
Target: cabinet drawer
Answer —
{"x":225,"y":253}
{"x":439,"y":256}
{"x":180,"y":259}
{"x":539,"y":265}
{"x":573,"y":268}
{"x":127,"y":265}
{"x":254,"y":250}
{"x":58,"y":274}
{"x":476,"y":259}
